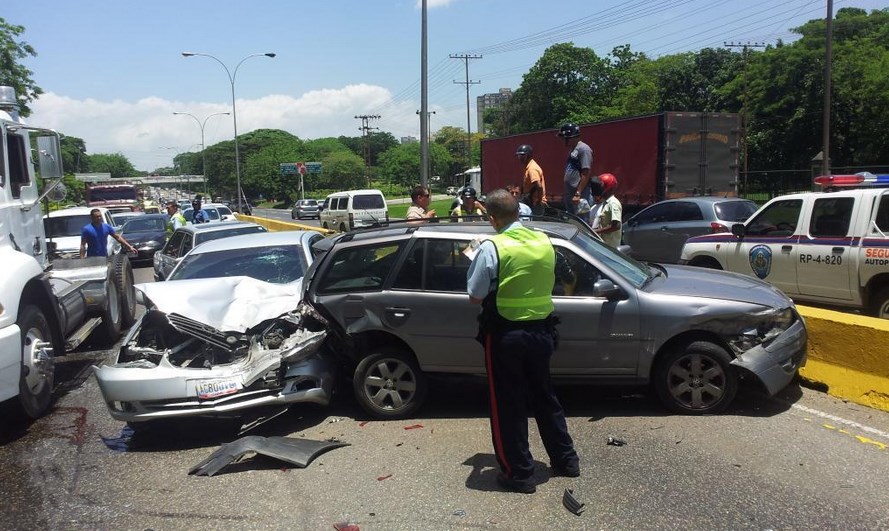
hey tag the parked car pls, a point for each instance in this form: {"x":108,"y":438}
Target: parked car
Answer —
{"x":398,"y":310}
{"x":657,"y":233}
{"x":185,"y":238}
{"x":353,"y":209}
{"x":63,"y":228}
{"x":224,"y":335}
{"x":147,"y":233}
{"x":122,"y":217}
{"x":305,"y":208}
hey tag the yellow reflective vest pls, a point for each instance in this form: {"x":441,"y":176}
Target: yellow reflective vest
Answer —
{"x":526,"y":274}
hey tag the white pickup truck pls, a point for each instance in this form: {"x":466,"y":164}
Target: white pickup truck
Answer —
{"x":49,"y":304}
{"x":827,"y":248}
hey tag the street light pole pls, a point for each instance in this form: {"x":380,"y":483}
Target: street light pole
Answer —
{"x":231,"y":78}
{"x":203,"y":150}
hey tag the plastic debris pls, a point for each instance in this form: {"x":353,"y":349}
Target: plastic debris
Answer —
{"x":346,"y":526}
{"x":614,"y":441}
{"x":459,"y":512}
{"x":363,"y":423}
{"x":413,"y":427}
{"x":298,"y":452}
{"x":571,"y":503}
{"x":381,"y":478}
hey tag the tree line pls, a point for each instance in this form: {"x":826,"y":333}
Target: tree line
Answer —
{"x":782,"y":85}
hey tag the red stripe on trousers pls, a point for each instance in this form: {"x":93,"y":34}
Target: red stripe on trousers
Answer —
{"x":495,"y":420}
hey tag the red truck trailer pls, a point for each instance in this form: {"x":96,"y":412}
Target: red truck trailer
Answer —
{"x":114,"y":197}
{"x":655,"y":157}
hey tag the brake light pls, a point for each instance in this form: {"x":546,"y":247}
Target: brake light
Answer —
{"x":864,"y":178}
{"x":718,"y":227}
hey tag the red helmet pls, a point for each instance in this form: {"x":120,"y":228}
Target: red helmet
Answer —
{"x":609,"y":183}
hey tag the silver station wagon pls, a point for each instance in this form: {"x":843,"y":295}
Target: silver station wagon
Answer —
{"x":397,"y":307}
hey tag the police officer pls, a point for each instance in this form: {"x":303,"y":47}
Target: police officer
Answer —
{"x":470,"y":206}
{"x":176,"y":218}
{"x":512,"y":277}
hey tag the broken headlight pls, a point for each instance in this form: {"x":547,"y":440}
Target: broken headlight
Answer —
{"x":765,"y":327}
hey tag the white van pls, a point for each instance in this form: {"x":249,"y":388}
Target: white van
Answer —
{"x":354,"y":209}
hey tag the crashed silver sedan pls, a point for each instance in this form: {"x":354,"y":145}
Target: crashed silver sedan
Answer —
{"x":217,"y":347}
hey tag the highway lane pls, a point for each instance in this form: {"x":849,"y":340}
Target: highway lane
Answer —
{"x":799,"y":460}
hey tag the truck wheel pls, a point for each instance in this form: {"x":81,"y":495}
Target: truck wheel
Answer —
{"x":111,"y":318}
{"x":880,"y":303}
{"x":123,"y":279}
{"x":38,"y":364}
{"x":389,"y":384}
{"x":696,"y":379}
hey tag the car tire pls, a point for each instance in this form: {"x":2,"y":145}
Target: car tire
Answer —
{"x":879,"y":303}
{"x":324,"y":226}
{"x":123,"y":278}
{"x":389,"y":384}
{"x":38,"y":363}
{"x":696,"y":379}
{"x":292,"y":215}
{"x":342,"y":227}
{"x":111,"y":314}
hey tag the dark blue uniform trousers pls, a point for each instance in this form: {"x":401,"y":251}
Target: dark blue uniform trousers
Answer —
{"x":518,"y":383}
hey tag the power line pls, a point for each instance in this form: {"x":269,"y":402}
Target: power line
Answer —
{"x":466,"y":57}
{"x":365,"y":127}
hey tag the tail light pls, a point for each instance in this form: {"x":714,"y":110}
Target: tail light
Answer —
{"x":718,"y":227}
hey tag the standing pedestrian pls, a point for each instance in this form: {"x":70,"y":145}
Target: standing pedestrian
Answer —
{"x":533,"y":172}
{"x":469,"y":205}
{"x":94,"y":236}
{"x":176,"y":218}
{"x":420,"y":199}
{"x":605,"y":216}
{"x":512,"y":277}
{"x":198,"y":214}
{"x":524,"y":209}
{"x":577,"y":169}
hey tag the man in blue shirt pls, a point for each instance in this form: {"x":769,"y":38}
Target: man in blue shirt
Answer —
{"x":198,"y":215}
{"x":94,"y":237}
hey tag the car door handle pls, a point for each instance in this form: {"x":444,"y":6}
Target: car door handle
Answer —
{"x":786,"y":248}
{"x":838,"y":250}
{"x":399,"y":313}
{"x":664,"y":228}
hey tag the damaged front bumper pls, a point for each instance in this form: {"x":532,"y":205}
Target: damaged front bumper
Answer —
{"x":776,"y":363}
{"x":172,"y":366}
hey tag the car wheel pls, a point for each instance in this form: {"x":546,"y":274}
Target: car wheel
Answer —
{"x":123,"y":278}
{"x":342,"y":227}
{"x":707,"y":262}
{"x":880,"y":303}
{"x":389,"y":384}
{"x":111,"y":318}
{"x":38,"y":364}
{"x":324,"y":226}
{"x":292,"y":215}
{"x":696,"y":379}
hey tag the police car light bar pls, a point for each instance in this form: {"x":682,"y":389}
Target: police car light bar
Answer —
{"x":864,"y":178}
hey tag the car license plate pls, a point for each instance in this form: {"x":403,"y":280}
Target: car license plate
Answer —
{"x":216,"y":388}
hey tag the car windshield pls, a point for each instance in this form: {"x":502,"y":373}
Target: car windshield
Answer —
{"x":202,"y":237}
{"x":65,"y":225}
{"x":634,"y":272}
{"x":278,"y":264}
{"x":735,"y":210}
{"x":144,"y":225}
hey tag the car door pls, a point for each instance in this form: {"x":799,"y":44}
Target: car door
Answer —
{"x":645,"y":231}
{"x":769,"y":249}
{"x":597,"y":337}
{"x":825,"y":256}
{"x":169,"y":254}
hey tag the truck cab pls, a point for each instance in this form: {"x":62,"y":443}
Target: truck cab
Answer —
{"x":827,"y":247}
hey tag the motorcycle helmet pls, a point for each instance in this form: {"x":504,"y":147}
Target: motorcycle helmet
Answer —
{"x":524,"y":149}
{"x":609,"y":183}
{"x":569,"y":131}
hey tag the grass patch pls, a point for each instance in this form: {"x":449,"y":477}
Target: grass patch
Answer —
{"x":442,"y":208}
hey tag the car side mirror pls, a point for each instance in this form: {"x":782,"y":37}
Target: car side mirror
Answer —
{"x":738,"y":229}
{"x":625,"y":250}
{"x":608,"y":289}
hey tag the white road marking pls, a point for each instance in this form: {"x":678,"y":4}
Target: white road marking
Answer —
{"x":841,"y":420}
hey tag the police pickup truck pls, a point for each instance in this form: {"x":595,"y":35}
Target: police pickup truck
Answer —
{"x":828,"y":247}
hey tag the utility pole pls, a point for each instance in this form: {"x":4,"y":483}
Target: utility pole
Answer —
{"x":425,"y":160}
{"x":828,"y":61}
{"x":745,"y":47}
{"x":466,"y":58}
{"x":365,"y":127}
{"x":424,"y":100}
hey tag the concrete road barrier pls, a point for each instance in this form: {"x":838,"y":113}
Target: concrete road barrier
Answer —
{"x":275,"y":225}
{"x":849,"y":355}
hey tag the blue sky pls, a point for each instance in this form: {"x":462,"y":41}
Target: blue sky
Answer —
{"x":113,"y":72}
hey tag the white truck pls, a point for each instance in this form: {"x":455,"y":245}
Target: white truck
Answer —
{"x":829,"y":248}
{"x":47,"y":305}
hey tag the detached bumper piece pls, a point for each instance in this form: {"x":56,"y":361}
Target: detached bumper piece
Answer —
{"x":571,"y":503}
{"x":297,"y":452}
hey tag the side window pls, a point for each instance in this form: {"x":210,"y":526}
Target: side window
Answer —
{"x":410,"y":276}
{"x":174,"y":244}
{"x":778,"y":219}
{"x":187,"y":244}
{"x":654,"y":214}
{"x":18,"y":169}
{"x":575,"y":276}
{"x":358,"y":269}
{"x":343,"y":203}
{"x":831,"y":217}
{"x":446,"y":266}
{"x":686,"y":211}
{"x":882,"y":219}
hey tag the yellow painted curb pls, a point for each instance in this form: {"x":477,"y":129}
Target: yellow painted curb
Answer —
{"x":849,"y":354}
{"x":275,"y":225}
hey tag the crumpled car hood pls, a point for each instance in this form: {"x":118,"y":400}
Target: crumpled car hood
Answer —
{"x":233,"y":304}
{"x":692,"y":281}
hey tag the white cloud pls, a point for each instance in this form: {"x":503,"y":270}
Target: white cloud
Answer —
{"x":432,"y":4}
{"x":141,"y":130}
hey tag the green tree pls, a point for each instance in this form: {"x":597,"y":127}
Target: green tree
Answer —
{"x":400,"y":165}
{"x":74,"y":157}
{"x":115,"y":163}
{"x":12,"y":72}
{"x":344,"y":170}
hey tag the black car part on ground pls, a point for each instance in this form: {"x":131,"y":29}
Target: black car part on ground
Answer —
{"x":298,"y":452}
